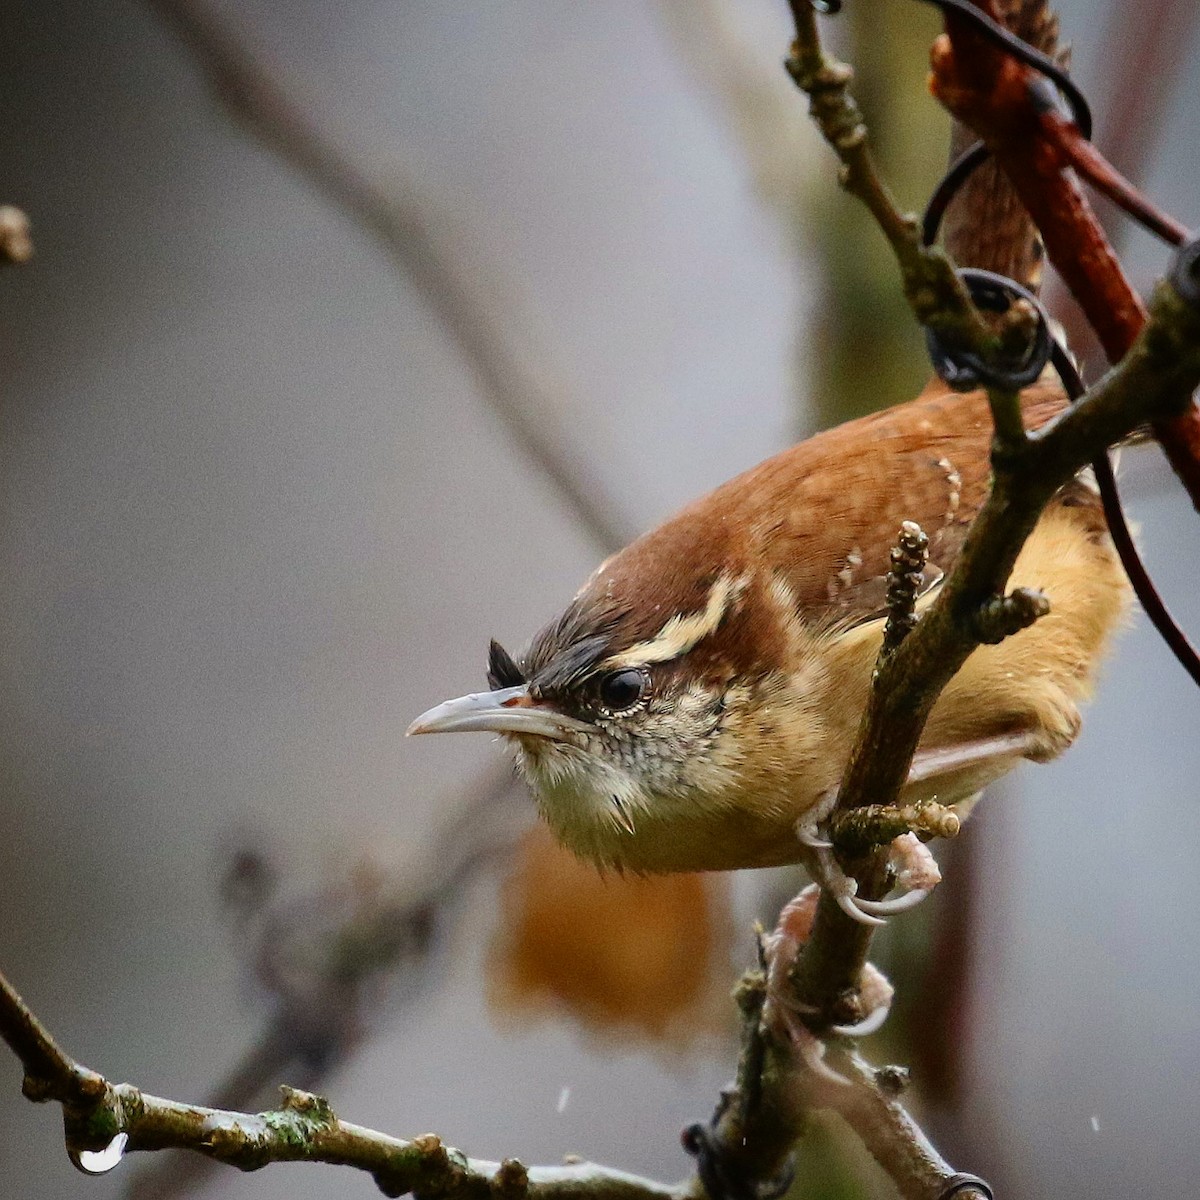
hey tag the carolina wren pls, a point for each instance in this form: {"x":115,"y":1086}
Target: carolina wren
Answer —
{"x":694,"y":706}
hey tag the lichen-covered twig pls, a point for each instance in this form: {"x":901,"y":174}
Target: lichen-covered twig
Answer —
{"x":304,"y":1128}
{"x":855,"y":831}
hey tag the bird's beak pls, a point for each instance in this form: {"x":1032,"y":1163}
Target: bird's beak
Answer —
{"x":508,"y":710}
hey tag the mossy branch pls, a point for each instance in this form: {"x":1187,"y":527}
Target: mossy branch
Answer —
{"x":100,"y":1116}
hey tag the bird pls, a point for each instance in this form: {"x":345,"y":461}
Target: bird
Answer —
{"x":694,"y":706}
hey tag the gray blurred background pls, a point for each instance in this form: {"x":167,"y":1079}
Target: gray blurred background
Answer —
{"x":259,"y":507}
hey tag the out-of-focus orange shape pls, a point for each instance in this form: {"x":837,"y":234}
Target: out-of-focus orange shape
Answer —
{"x":627,"y":957}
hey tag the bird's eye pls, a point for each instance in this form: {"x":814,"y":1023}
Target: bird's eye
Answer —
{"x":621,"y":690}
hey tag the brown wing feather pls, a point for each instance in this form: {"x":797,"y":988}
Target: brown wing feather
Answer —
{"x":823,"y":516}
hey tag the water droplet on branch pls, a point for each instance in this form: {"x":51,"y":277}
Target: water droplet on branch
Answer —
{"x":100,"y":1162}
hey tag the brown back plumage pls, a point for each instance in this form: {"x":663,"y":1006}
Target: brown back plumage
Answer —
{"x":830,"y":508}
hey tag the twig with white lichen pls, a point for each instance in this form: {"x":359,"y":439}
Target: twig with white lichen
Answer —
{"x":104,"y":1121}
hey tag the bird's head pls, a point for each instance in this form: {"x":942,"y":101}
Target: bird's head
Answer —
{"x":631,"y":716}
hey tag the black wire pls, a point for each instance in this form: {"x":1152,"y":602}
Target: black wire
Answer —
{"x":974,"y":156}
{"x":1185,"y":276}
{"x":957,"y":1184}
{"x":960,"y":171}
{"x":1143,"y":586}
{"x":1081,"y":111}
{"x":719,"y":1182}
{"x":963,"y":369}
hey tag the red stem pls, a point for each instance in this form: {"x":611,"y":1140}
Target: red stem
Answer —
{"x":990,"y":91}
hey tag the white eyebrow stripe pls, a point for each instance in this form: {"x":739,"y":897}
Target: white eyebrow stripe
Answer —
{"x":682,"y":631}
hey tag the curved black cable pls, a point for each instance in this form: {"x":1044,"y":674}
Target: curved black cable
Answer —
{"x":974,"y":156}
{"x":961,"y":169}
{"x":1081,"y":111}
{"x":956,"y":1185}
{"x":1143,"y":586}
{"x":719,"y":1181}
{"x":963,"y":370}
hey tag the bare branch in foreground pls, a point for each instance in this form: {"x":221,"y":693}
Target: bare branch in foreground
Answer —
{"x":104,"y":1121}
{"x":760,"y":1119}
{"x":414,"y":230}
{"x":787,"y":1072}
{"x":1154,"y":380}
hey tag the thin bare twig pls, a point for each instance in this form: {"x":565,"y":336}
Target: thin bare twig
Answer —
{"x":935,"y":293}
{"x":403,"y":216}
{"x":786,"y":1073}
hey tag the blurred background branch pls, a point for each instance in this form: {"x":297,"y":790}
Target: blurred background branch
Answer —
{"x":322,"y":960}
{"x":415,"y":226}
{"x":329,"y":966}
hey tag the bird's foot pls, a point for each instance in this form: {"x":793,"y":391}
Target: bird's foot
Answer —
{"x":915,"y":868}
{"x":789,"y":1015}
{"x":916,"y":873}
{"x":809,"y":828}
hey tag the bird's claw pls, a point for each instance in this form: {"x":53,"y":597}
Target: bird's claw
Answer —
{"x":808,"y":828}
{"x":870,"y":1024}
{"x":791,"y":1015}
{"x":851,"y":905}
{"x":808,"y":834}
{"x":916,"y":871}
{"x":889,"y":908}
